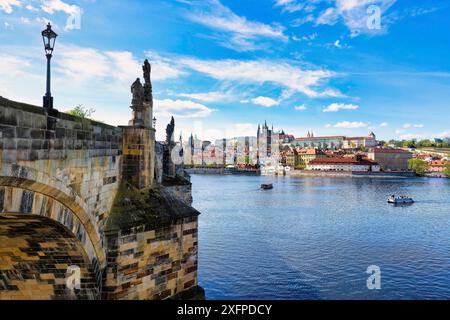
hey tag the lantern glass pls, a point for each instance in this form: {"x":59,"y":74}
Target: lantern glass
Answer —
{"x":49,"y":38}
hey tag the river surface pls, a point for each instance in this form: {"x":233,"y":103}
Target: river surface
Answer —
{"x":314,"y":238}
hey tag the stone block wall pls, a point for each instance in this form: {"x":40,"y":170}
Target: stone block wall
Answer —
{"x":35,"y":255}
{"x":82,"y":154}
{"x":76,"y":161}
{"x":156,"y":264}
{"x":138,"y":156}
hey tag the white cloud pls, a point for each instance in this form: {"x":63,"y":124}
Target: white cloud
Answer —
{"x":300,"y":108}
{"x":263,"y":71}
{"x":329,"y":16}
{"x":181,"y":109}
{"x":384,"y":124}
{"x":353,"y":13}
{"x":7,"y":5}
{"x":290,"y":5}
{"x":338,"y":44}
{"x":445,"y":134}
{"x":164,"y":68}
{"x":335,"y":107}
{"x":30,"y":7}
{"x":243,"y":32}
{"x":351,"y":125}
{"x":52,"y":6}
{"x":265,"y":102}
{"x":126,"y":65}
{"x":331,"y":93}
{"x":301,"y":21}
{"x":213,"y":96}
{"x":83,"y":63}
{"x":408,"y":126}
{"x":410,"y":136}
{"x":309,"y":37}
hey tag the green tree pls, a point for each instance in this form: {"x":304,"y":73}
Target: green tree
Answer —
{"x":81,"y":112}
{"x":419,"y":166}
{"x":447,"y":171}
{"x":426,"y":144}
{"x":410,"y":143}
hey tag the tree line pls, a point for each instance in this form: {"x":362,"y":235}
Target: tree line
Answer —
{"x":445,"y":143}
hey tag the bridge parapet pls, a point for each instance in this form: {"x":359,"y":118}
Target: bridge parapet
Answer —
{"x":72,"y":160}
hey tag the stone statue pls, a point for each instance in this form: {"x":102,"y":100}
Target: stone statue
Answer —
{"x":137,"y":91}
{"x":169,"y":131}
{"x":147,"y":69}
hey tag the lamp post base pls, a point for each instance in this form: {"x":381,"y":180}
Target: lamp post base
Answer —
{"x":48,"y":106}
{"x":48,"y":103}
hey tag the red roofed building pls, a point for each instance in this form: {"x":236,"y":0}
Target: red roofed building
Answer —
{"x":438,"y":166}
{"x":353,"y":164}
{"x":425,"y":157}
{"x":391,"y":159}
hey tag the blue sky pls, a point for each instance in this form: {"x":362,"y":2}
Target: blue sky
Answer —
{"x":222,"y":67}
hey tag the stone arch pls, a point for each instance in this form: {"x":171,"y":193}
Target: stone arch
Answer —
{"x":67,"y":207}
{"x":37,"y":258}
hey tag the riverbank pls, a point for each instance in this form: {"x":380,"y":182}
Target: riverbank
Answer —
{"x":349,"y":174}
{"x":306,"y":173}
{"x":222,"y":171}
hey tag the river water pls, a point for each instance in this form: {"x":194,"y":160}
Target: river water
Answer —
{"x":314,"y":238}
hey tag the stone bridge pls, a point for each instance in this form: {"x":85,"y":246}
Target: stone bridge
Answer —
{"x":92,"y":190}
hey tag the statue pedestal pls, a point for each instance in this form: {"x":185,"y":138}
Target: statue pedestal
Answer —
{"x":138,"y":166}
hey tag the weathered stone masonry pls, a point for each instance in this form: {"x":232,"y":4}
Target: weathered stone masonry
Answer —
{"x":153,"y":264}
{"x":61,"y":167}
{"x":70,"y":170}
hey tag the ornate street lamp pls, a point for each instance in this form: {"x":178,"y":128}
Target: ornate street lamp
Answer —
{"x":49,"y":38}
{"x":154,"y":122}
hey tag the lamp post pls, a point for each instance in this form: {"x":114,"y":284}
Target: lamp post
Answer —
{"x":49,"y":38}
{"x":154,"y":122}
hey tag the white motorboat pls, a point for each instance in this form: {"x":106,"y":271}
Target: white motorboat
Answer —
{"x":400,"y":200}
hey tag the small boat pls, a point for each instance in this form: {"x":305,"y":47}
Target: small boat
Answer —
{"x":400,"y":200}
{"x":267,"y":186}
